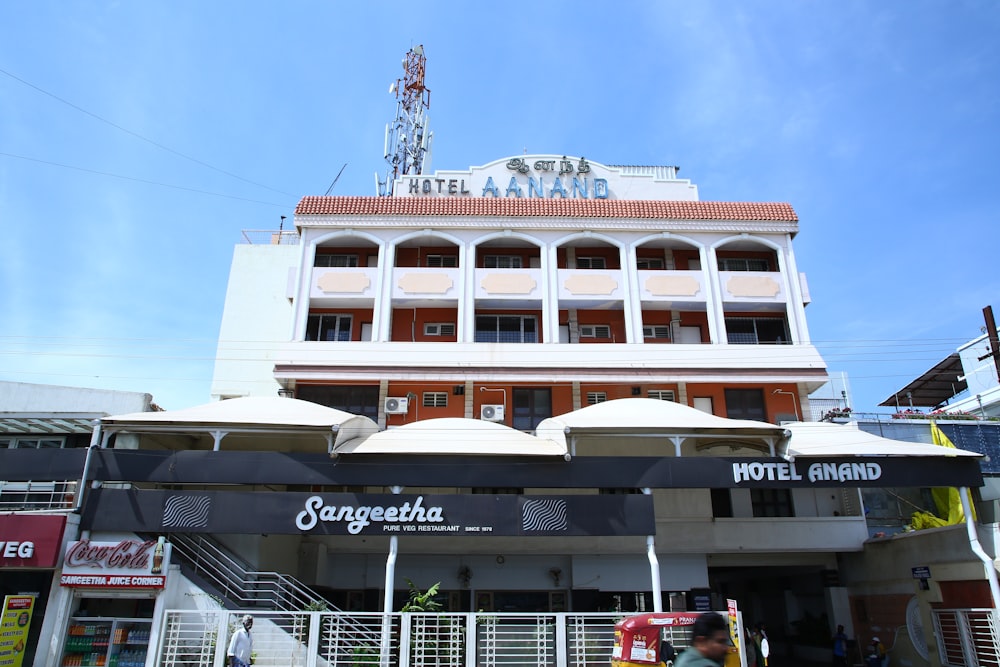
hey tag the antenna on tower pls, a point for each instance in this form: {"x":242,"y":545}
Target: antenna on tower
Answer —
{"x":330,"y":189}
{"x":407,"y":139}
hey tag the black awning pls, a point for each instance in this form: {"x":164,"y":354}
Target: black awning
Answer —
{"x":933,"y":388}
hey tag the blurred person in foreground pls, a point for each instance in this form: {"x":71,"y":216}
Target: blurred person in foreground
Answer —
{"x":709,"y":642}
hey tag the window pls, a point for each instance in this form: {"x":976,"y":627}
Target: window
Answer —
{"x":435,"y":399}
{"x":649,"y":263}
{"x":722,"y":503}
{"x":661,"y":394}
{"x":595,"y":397}
{"x":615,"y":491}
{"x":33,"y":442}
{"x":745,"y":404}
{"x":590,"y":263}
{"x":743,"y":264}
{"x":657,"y":331}
{"x":499,"y":490}
{"x":771,"y":502}
{"x":506,"y":329}
{"x":449,"y":261}
{"x":756,"y":330}
{"x":328,"y":327}
{"x":360,"y":400}
{"x":336,"y":260}
{"x":531,"y":406}
{"x":502,"y":262}
{"x":439,"y":329}
{"x":595,"y":331}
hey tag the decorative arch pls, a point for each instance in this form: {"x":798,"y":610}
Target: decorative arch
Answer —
{"x":659,"y":236}
{"x":589,"y":235}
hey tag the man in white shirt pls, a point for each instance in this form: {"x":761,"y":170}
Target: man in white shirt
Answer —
{"x":241,"y":645}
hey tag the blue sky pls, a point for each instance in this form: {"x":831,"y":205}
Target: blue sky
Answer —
{"x":138,"y":140}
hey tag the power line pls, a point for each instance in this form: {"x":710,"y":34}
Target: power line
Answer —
{"x":139,"y":136}
{"x":141,"y":180}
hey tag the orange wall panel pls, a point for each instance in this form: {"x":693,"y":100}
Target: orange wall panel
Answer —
{"x":408,"y":325}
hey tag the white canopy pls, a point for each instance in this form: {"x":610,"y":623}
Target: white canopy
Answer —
{"x":453,"y":435}
{"x":826,"y":439}
{"x":629,"y":416}
{"x":249,"y":414}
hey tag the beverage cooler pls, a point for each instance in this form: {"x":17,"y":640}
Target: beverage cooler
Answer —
{"x":104,"y":642}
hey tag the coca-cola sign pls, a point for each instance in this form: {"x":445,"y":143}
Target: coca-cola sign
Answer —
{"x":127,"y":563}
{"x":127,"y":554}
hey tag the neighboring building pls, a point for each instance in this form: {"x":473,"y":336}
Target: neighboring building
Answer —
{"x":37,"y":515}
{"x":965,"y":381}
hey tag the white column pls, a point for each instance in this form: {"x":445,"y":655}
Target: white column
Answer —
{"x":795,"y":298}
{"x":467,"y":295}
{"x":550,"y":304}
{"x":713,"y":295}
{"x":303,"y":288}
{"x":632,"y":305}
{"x":383,"y":300}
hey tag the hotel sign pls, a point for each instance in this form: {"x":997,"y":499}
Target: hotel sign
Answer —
{"x":813,"y":472}
{"x":525,"y":178}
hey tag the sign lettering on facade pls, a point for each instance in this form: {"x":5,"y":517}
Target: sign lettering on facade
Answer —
{"x":815,"y":472}
{"x":367,"y":514}
{"x":15,"y":621}
{"x":30,"y":540}
{"x":121,"y":564}
{"x":525,"y":178}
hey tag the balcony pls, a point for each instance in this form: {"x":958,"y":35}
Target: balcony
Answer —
{"x":342,"y":287}
{"x":590,"y":288}
{"x":681,"y":290}
{"x":752,"y":288}
{"x":425,"y":287}
{"x":508,"y":288}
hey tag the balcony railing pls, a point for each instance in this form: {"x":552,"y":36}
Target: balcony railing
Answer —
{"x":37,"y":496}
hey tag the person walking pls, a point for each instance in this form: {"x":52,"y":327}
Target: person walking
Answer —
{"x":840,"y":648}
{"x":241,"y":645}
{"x":877,"y":656}
{"x":709,"y":642}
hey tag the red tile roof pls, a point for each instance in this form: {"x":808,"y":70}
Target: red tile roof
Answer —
{"x":562,"y":208}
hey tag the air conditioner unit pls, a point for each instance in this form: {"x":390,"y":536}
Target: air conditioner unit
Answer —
{"x":491,"y":413}
{"x":397,"y":405}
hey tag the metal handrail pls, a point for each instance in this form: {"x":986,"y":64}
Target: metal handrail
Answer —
{"x":237,"y":582}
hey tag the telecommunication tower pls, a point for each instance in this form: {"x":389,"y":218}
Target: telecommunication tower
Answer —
{"x":407,"y":140}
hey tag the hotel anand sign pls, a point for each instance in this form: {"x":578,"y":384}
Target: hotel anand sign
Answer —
{"x":841,"y":472}
{"x":543,"y":177}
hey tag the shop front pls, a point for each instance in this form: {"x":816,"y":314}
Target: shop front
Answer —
{"x":115,"y":584}
{"x":30,"y":545}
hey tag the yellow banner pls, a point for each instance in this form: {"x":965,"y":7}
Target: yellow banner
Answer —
{"x":14,"y":626}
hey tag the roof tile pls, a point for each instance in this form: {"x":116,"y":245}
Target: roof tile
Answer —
{"x":574,"y":208}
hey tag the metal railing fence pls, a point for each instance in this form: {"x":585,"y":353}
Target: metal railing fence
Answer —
{"x":968,"y":637}
{"x":37,"y":496}
{"x":359,"y":639}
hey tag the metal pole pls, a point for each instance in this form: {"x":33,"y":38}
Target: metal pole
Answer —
{"x":95,"y":442}
{"x":390,"y":578}
{"x":654,"y":566}
{"x":654,"y":572}
{"x":970,"y":525}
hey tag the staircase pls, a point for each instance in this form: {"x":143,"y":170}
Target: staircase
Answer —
{"x":239,"y":586}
